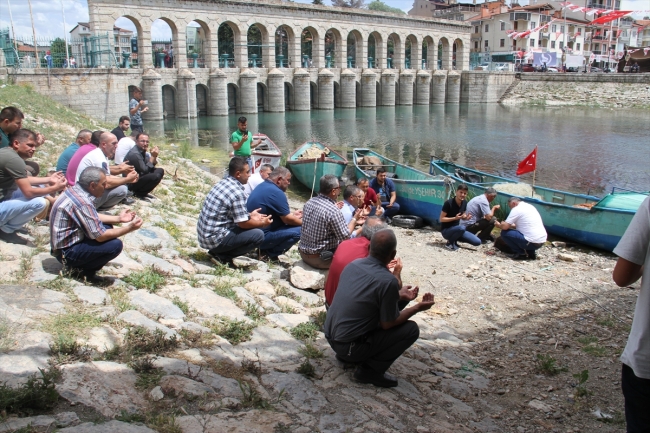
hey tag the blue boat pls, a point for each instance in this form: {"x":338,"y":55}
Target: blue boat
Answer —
{"x":308,"y":168}
{"x":418,"y":193}
{"x":584,"y":219}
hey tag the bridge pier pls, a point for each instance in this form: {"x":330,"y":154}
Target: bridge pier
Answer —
{"x":406,"y":88}
{"x":422,"y":88}
{"x":152,"y":89}
{"x":301,"y":90}
{"x":275,"y":89}
{"x":453,"y":87}
{"x":325,"y":90}
{"x":439,"y":87}
{"x":186,"y":94}
{"x":387,"y":88}
{"x":218,"y":99}
{"x":248,"y":91}
{"x":348,"y":89}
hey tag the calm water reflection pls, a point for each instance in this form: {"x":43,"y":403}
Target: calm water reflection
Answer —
{"x":580,"y":149}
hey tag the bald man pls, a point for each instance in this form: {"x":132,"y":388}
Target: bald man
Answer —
{"x":116,"y":189}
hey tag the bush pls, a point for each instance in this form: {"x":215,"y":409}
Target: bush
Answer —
{"x":235,"y":331}
{"x":305,"y":331}
{"x":38,"y":394}
{"x":150,"y":279}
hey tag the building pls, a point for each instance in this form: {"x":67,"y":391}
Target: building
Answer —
{"x":80,"y":43}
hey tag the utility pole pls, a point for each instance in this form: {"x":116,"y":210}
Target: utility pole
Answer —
{"x":13,"y":32}
{"x":31,"y":16}
{"x":65,"y":36}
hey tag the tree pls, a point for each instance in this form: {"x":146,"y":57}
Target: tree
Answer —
{"x":358,"y":4}
{"x":318,"y":2}
{"x":378,"y":5}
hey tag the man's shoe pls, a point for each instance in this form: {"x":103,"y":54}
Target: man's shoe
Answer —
{"x":365,"y":375}
{"x":451,"y":247}
{"x":129,"y":193}
{"x":14,"y":238}
{"x":389,"y":220}
{"x":151,"y":196}
{"x":127,"y":201}
{"x":519,"y":257}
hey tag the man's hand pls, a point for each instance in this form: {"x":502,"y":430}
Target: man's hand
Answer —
{"x":298,"y":213}
{"x":127,"y":216}
{"x":261,"y":218}
{"x":339,"y":204}
{"x":407,"y":293}
{"x":359,"y":216}
{"x":60,"y":183}
{"x":496,"y":206}
{"x":395,"y":266}
{"x":124,"y":168}
{"x":54,"y":178}
{"x":243,"y":138}
{"x":389,"y":205}
{"x":132,"y":177}
{"x":379,"y":211}
{"x":40,"y":139}
{"x":154,"y":152}
{"x":366,"y":211}
{"x":144,"y":110}
{"x":427,"y":302}
{"x":136,"y":224}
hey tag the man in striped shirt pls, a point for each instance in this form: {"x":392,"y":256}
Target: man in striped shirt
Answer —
{"x":82,"y":239}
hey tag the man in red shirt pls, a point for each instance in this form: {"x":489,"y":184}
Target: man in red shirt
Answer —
{"x":352,"y":249}
{"x":371,"y":198}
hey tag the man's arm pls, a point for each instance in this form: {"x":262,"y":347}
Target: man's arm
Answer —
{"x":292,"y":219}
{"x":503,"y":225}
{"x":135,"y":109}
{"x":256,"y":220}
{"x":122,"y":168}
{"x":238,"y":144}
{"x":626,"y":273}
{"x":426,"y":303}
{"x":136,"y":160}
{"x":116,"y":232}
{"x":113,"y":181}
{"x":25,"y":186}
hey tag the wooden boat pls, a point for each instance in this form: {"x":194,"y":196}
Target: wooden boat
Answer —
{"x":309,"y":170}
{"x":266,"y":153}
{"x":418,"y":193}
{"x":585,"y":219}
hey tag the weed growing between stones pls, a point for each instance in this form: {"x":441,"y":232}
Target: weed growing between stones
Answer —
{"x":253,"y":367}
{"x":120,"y":299}
{"x":171,"y":228}
{"x":310,"y":351}
{"x":72,"y":324}
{"x":235,"y":331}
{"x":253,"y":311}
{"x":252,"y":398}
{"x":319,"y":318}
{"x":160,"y":422}
{"x":201,"y":256}
{"x":196,"y":339}
{"x":59,"y":284}
{"x":6,"y":335}
{"x":148,"y":374}
{"x":582,"y":378}
{"x":305,"y":331}
{"x":65,"y":350}
{"x":185,"y":150}
{"x":183,"y":306}
{"x":151,"y":249}
{"x":23,"y":273}
{"x":225,"y":289}
{"x":140,"y":341}
{"x":307,"y":369}
{"x":36,"y":395}
{"x":546,"y":364}
{"x":288,"y":309}
{"x":151,"y":279}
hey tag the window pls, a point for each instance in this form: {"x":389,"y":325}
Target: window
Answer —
{"x":552,"y":44}
{"x":503,"y":26}
{"x":539,"y":43}
{"x":562,"y":29}
{"x":476,"y":30}
{"x":476,"y":45}
{"x":533,"y":24}
{"x":486,"y":44}
{"x":577,"y":47}
{"x":502,"y":42}
{"x":487,"y":28}
{"x":532,"y":42}
{"x":553,"y":28}
{"x":561,"y":45}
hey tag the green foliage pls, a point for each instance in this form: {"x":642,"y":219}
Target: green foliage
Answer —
{"x":65,"y":349}
{"x":305,"y":331}
{"x":252,"y":398}
{"x":160,"y":422}
{"x":590,"y":347}
{"x":140,"y":341}
{"x":253,"y":311}
{"x":170,"y":228}
{"x":224,"y":289}
{"x":235,"y":331}
{"x":71,"y":324}
{"x":307,"y":369}
{"x":546,"y":364}
{"x":38,"y":394}
{"x":582,"y":378}
{"x":318,"y":2}
{"x":183,"y":306}
{"x":378,"y":5}
{"x":148,"y":374}
{"x":150,"y":279}
{"x":310,"y":351}
{"x":6,"y":335}
{"x":319,"y":318}
{"x":57,"y":48}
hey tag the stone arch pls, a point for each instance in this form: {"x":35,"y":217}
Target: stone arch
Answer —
{"x":169,"y":101}
{"x":177,"y":43}
{"x":444,"y":54}
{"x":199,"y":42}
{"x":411,"y":53}
{"x":262,"y":53}
{"x":428,"y":53}
{"x":313,"y":95}
{"x":376,"y":50}
{"x":394,"y":51}
{"x":334,"y":47}
{"x":262,"y":97}
{"x":355,"y":49}
{"x":234,"y":102}
{"x":202,"y":98}
{"x":140,"y":56}
{"x":229,"y":40}
{"x":285,"y":44}
{"x":459,"y":54}
{"x":288,"y":96}
{"x":310,"y":46}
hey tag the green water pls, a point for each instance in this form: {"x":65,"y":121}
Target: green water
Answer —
{"x":580,"y":149}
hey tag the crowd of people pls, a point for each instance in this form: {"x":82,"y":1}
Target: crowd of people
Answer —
{"x":368,"y":315}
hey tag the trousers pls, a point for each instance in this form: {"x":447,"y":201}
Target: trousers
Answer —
{"x":111,"y":197}
{"x":390,"y":211}
{"x":19,"y":210}
{"x":236,"y":243}
{"x":518,"y":243}
{"x":483,"y":227}
{"x":89,"y":255}
{"x":459,"y":234}
{"x":279,"y":241}
{"x":317,"y":262}
{"x":146,"y":183}
{"x":636,"y":391}
{"x":379,"y":349}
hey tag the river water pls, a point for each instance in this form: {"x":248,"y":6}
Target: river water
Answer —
{"x":584,"y":150}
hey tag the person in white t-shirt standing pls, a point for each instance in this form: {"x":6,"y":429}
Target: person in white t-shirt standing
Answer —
{"x":633,"y":263}
{"x":123,"y":146}
{"x":257,"y":178}
{"x":116,"y":189}
{"x":523,"y":231}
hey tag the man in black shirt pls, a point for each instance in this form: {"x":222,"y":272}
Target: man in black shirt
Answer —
{"x":145,"y":166}
{"x":124,"y":125}
{"x":454,"y":210}
{"x":364,"y":323}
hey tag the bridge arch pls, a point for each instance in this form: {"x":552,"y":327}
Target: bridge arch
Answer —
{"x":333,"y":47}
{"x":411,"y":53}
{"x":285,"y":45}
{"x":444,"y":54}
{"x":376,"y":49}
{"x":356,"y":49}
{"x":198,"y":40}
{"x":395,"y":51}
{"x":311,"y":47}
{"x":179,"y":58}
{"x":229,"y":39}
{"x":429,"y":53}
{"x":169,"y":101}
{"x":459,"y":55}
{"x":258,"y":46}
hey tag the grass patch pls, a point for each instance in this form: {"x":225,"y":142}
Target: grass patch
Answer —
{"x":160,"y":422}
{"x":36,"y":395}
{"x":185,"y":150}
{"x":6,"y":332}
{"x":288,"y":309}
{"x":171,"y":228}
{"x":66,"y":349}
{"x":141,"y":341}
{"x":253,"y":400}
{"x":589,"y":339}
{"x":307,"y":369}
{"x":310,"y":351}
{"x":235,"y":331}
{"x":253,"y":367}
{"x":253,"y":311}
{"x":182,"y":305}
{"x":200,"y":256}
{"x":196,"y":339}
{"x":607,"y":323}
{"x":120,"y":299}
{"x":305,"y":331}
{"x":319,"y":318}
{"x":582,"y":378}
{"x":71,"y":324}
{"x":25,"y":270}
{"x":590,"y":347}
{"x":546,"y":364}
{"x":150,"y":279}
{"x":148,"y":374}
{"x":225,"y":289}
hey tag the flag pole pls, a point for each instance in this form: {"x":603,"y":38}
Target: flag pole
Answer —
{"x":532,"y":190}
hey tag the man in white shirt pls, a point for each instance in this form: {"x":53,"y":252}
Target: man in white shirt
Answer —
{"x":116,"y":189}
{"x":633,"y":251}
{"x":523,"y":231}
{"x":123,"y":146}
{"x":257,"y":178}
{"x":352,"y":201}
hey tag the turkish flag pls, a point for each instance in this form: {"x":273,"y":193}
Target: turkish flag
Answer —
{"x":528,"y":164}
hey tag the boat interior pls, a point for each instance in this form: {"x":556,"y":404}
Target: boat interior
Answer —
{"x":369,"y":161}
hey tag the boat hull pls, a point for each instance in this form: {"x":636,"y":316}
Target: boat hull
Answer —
{"x":418,"y":193}
{"x":260,"y":157}
{"x":309,"y":171}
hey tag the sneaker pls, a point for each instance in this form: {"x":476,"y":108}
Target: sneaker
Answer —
{"x":14,"y":238}
{"x":519,"y":257}
{"x":389,"y":220}
{"x":365,"y":375}
{"x":127,"y":201}
{"x":151,"y":196}
{"x":451,"y":247}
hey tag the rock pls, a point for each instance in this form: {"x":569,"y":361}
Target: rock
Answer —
{"x":108,"y":387}
{"x":209,"y":304}
{"x":122,"y":264}
{"x":192,"y":355}
{"x":184,"y":265}
{"x":244,"y":296}
{"x":298,"y":390}
{"x":260,"y":288}
{"x":30,"y":353}
{"x":344,"y":421}
{"x":91,"y":295}
{"x":65,"y":419}
{"x":272,"y":344}
{"x":304,"y":296}
{"x":567,"y":257}
{"x":255,"y":275}
{"x":104,"y":338}
{"x":304,"y":276}
{"x":205,"y":161}
{"x":156,"y":394}
{"x":45,"y":268}
{"x":149,"y":237}
{"x":10,"y":251}
{"x":162,"y":265}
{"x":541,"y":406}
{"x":291,"y":304}
{"x":194,"y":327}
{"x":155,"y":305}
{"x":267,"y":303}
{"x":558,"y":244}
{"x":223,"y":386}
{"x":41,"y":423}
{"x":253,"y":421}
{"x":179,"y":385}
{"x":244,"y":262}
{"x":284,"y":320}
{"x":176,"y":366}
{"x":109,"y":427}
{"x":136,"y":318}
{"x":53,"y":302}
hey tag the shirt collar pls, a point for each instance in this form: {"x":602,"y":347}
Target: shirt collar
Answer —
{"x":327,"y":198}
{"x":235,"y":181}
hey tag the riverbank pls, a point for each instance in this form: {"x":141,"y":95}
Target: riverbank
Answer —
{"x":176,"y":344}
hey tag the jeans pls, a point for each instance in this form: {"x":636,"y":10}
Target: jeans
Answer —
{"x":518,"y":243}
{"x":146,"y":183}
{"x":279,"y":241}
{"x":390,"y":211}
{"x":379,"y":349}
{"x":637,"y":401}
{"x":459,"y":234}
{"x":236,"y":243}
{"x":135,"y":127}
{"x":483,"y":227}
{"x":89,"y":255}
{"x":111,"y":197}
{"x":19,"y":210}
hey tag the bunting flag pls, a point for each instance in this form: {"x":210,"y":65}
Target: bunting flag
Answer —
{"x":614,"y":15}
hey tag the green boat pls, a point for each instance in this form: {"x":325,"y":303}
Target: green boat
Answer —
{"x":585,"y":219}
{"x":313,"y":160}
{"x":418,"y":193}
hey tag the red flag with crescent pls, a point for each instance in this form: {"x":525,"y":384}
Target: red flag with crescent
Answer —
{"x":528,"y":164}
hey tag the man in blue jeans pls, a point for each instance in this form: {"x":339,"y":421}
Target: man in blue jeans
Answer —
{"x":385,"y":189}
{"x":523,"y":231}
{"x":83,"y":240}
{"x":453,"y":211}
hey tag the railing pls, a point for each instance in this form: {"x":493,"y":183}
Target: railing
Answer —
{"x":454,"y":9}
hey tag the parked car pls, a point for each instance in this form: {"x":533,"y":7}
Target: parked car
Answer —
{"x":501,"y":67}
{"x":552,"y":69}
{"x":482,"y":67}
